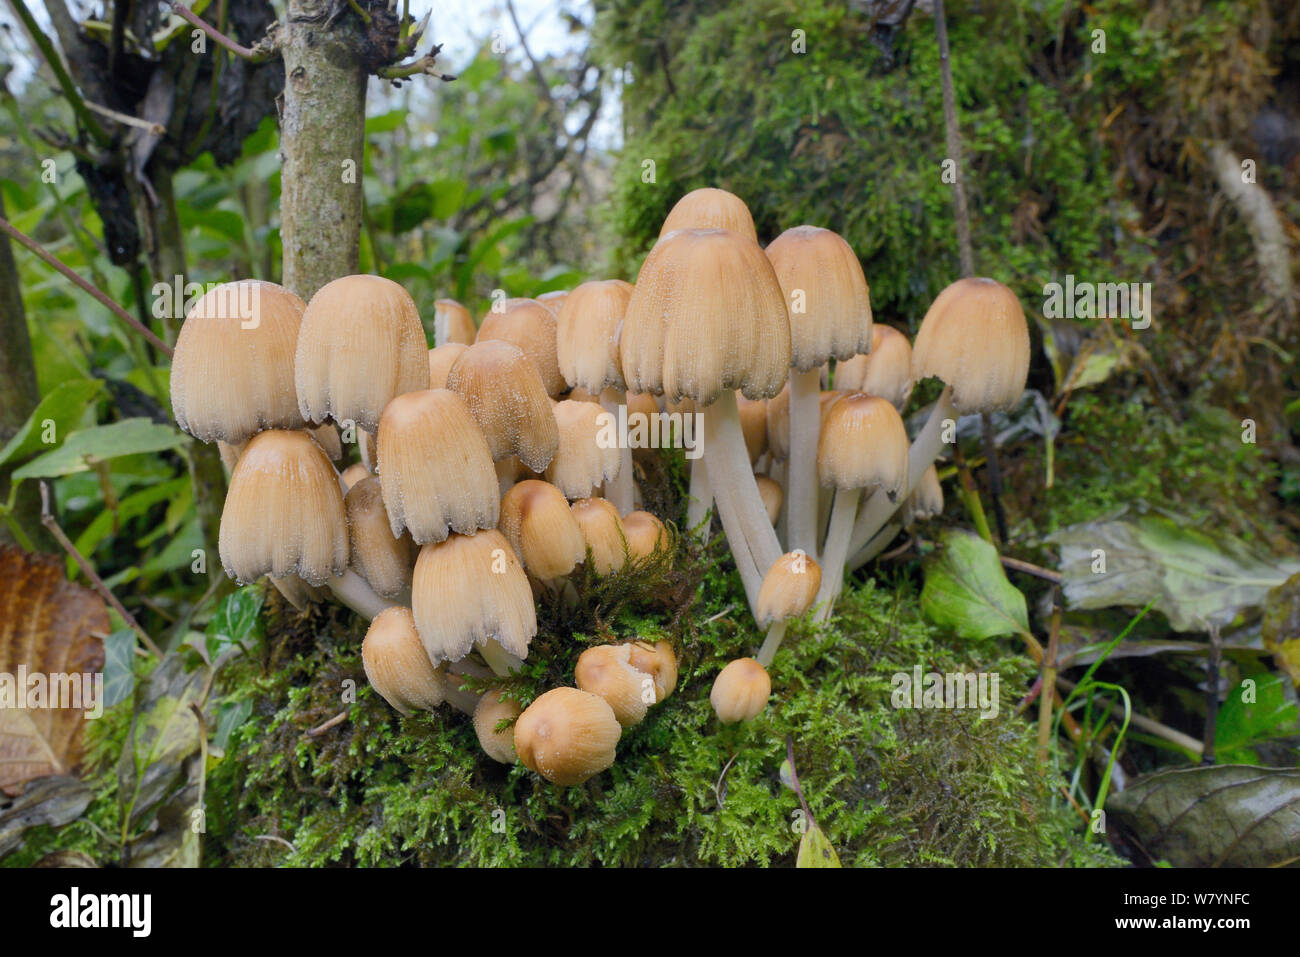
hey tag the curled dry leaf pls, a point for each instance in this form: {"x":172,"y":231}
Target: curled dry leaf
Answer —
{"x":47,"y":627}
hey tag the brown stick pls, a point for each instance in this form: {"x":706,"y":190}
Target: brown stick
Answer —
{"x":1046,"y":574}
{"x":49,"y":521}
{"x":86,"y":286}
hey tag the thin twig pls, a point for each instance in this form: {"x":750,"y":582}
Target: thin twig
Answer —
{"x":332,"y":722}
{"x":1049,"y":680}
{"x":1046,"y":574}
{"x":1212,"y":692}
{"x":260,"y":55}
{"x":86,"y":286}
{"x":49,"y":521}
{"x":157,"y":129}
{"x":66,"y":84}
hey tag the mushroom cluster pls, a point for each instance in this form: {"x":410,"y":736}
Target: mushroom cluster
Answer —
{"x":487,"y":475}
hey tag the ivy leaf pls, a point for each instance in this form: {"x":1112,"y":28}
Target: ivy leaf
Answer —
{"x":815,"y":850}
{"x":236,"y":622}
{"x":119,"y":666}
{"x":1232,"y":815}
{"x":102,"y":442}
{"x":967,"y":591}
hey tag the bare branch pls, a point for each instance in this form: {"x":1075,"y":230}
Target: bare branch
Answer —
{"x":263,"y":51}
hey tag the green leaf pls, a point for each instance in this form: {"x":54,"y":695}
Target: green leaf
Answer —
{"x":119,"y":666}
{"x":1242,"y":723}
{"x":63,"y":406}
{"x":385,"y":122}
{"x":236,"y":622}
{"x":230,"y":716}
{"x":1195,"y":580}
{"x":815,"y":850}
{"x":967,"y":591}
{"x":127,"y":437}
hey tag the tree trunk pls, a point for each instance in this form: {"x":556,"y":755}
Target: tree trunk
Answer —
{"x":322,"y":142}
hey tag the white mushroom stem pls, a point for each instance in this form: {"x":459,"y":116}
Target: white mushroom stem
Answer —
{"x":875,"y":546}
{"x":778,"y":472}
{"x":701,"y":498}
{"x":468,"y":667}
{"x":459,"y":698}
{"x":837,"y":549}
{"x":355,"y":592}
{"x":801,"y":470}
{"x":775,"y":634}
{"x":744,"y":517}
{"x":502,"y":662}
{"x":924,"y":451}
{"x":619,"y":490}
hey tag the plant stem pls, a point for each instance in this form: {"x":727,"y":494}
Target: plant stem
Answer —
{"x":700,"y":499}
{"x":355,"y":592}
{"x":801,"y":472}
{"x":775,"y":635}
{"x":970,"y":495}
{"x":875,"y":546}
{"x":619,"y":492}
{"x":185,"y":13}
{"x":1049,"y":681}
{"x":837,"y":549}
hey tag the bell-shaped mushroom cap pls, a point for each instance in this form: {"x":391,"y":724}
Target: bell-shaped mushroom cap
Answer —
{"x":284,"y":512}
{"x":452,"y":324}
{"x":778,"y":424}
{"x":542,"y":529}
{"x":567,"y":736}
{"x":607,"y":670}
{"x":710,"y":208}
{"x":659,"y":661}
{"x":886,"y":372}
{"x":435,"y":467}
{"x":351,"y":475}
{"x":926,"y":500}
{"x":588,"y":454}
{"x":508,"y":401}
{"x":396,"y":665}
{"x":493,"y":708}
{"x":645,"y":534}
{"x":528,"y":324}
{"x":707,"y":314}
{"x":753,"y":423}
{"x":587,"y":334}
{"x":770,"y":491}
{"x":441,"y":360}
{"x":232,"y":373}
{"x":602,"y":530}
{"x":830,"y":308}
{"x":975,"y":339}
{"x":863,"y":444}
{"x":740,"y":691}
{"x":554,"y":300}
{"x":382,"y":559}
{"x":468,"y":590}
{"x":361,"y":344}
{"x":789,"y":588}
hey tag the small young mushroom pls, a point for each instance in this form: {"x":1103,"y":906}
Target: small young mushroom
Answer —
{"x":645,"y":535}
{"x":506,"y":396}
{"x":452,"y":324}
{"x":740,"y":691}
{"x":886,"y":371}
{"x":493,"y":708}
{"x":351,"y":475}
{"x":607,"y":670}
{"x":789,"y":590}
{"x":398,"y":668}
{"x":770,"y":491}
{"x":383,"y":559}
{"x":582,"y":460}
{"x":659,"y":661}
{"x":602,"y":530}
{"x":567,"y":736}
{"x":441,"y":360}
{"x":528,"y":324}
{"x":542,"y":529}
{"x":710,"y":208}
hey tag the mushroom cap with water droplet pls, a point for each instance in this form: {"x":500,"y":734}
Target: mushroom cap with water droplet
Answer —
{"x":567,"y":736}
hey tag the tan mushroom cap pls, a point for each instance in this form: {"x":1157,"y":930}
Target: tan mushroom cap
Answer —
{"x":886,"y":372}
{"x":284,"y":512}
{"x":588,"y":454}
{"x":542,"y":529}
{"x":441,"y":360}
{"x":602,"y":529}
{"x":493,"y":708}
{"x":789,"y":588}
{"x":506,"y":396}
{"x":361,"y":344}
{"x":710,"y":208}
{"x":567,"y":736}
{"x":385,"y":561}
{"x":554,"y":300}
{"x":435,"y":467}
{"x":607,"y":670}
{"x":926,"y":500}
{"x":452,"y":324}
{"x":975,"y":339}
{"x":468,"y":590}
{"x":659,"y":661}
{"x":645,"y":534}
{"x":528,"y":324}
{"x":351,"y":475}
{"x":396,"y":665}
{"x":740,"y":691}
{"x":863,"y":444}
{"x":587,"y":334}
{"x":830,"y":305}
{"x":707,"y":314}
{"x":770,"y":491}
{"x":328,"y":438}
{"x":232,"y":372}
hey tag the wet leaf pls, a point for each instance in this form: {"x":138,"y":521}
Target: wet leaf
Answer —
{"x":174,"y":841}
{"x":1242,"y":722}
{"x":1195,"y":579}
{"x":815,"y":850}
{"x":1281,"y":627}
{"x":103,"y":442}
{"x":47,"y":628}
{"x":61,"y":409}
{"x":119,"y":666}
{"x":1233,"y":815}
{"x":967,"y":591}
{"x":53,"y":800}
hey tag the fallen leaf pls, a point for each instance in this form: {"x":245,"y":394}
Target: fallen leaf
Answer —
{"x":53,"y":800}
{"x":1281,"y":627}
{"x":47,"y":627}
{"x":967,"y":591}
{"x":815,"y":850}
{"x":1232,"y":815}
